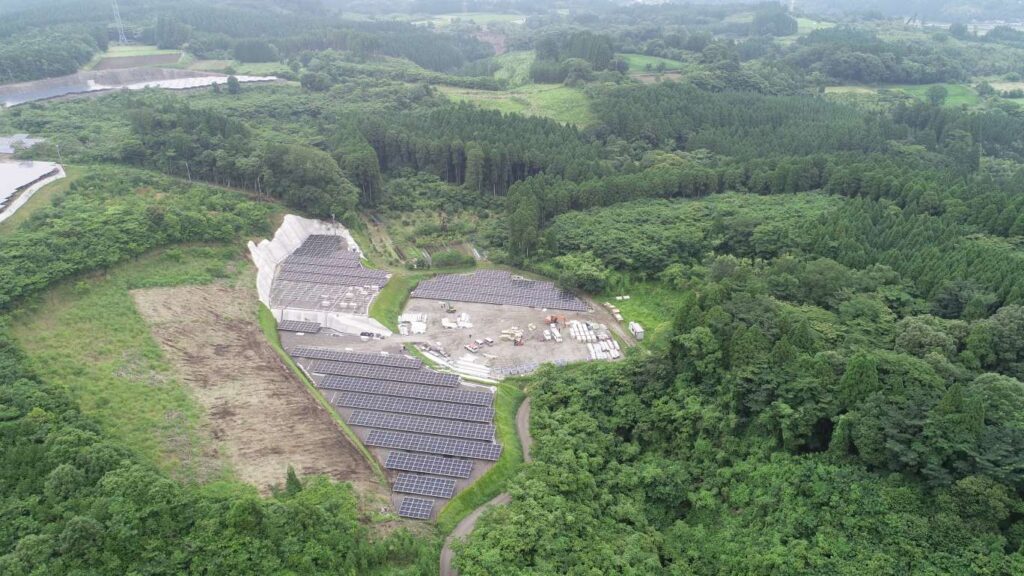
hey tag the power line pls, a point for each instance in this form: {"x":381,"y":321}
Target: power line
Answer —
{"x":120,"y":25}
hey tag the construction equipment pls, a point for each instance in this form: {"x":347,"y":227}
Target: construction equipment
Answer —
{"x":447,"y":306}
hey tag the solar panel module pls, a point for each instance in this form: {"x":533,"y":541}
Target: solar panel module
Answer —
{"x":399,"y":389}
{"x":376,"y":372}
{"x":500,"y":288}
{"x":434,"y":445}
{"x":428,"y":464}
{"x":357,"y":358}
{"x":416,"y":508}
{"x":415,"y":407}
{"x":425,"y":485}
{"x":421,"y":425}
{"x":296,"y":326}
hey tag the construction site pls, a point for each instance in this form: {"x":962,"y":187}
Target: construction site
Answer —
{"x":422,"y":399}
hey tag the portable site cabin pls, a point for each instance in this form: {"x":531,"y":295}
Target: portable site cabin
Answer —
{"x":637,"y":330}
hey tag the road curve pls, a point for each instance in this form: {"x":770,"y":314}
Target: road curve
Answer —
{"x":467,"y":524}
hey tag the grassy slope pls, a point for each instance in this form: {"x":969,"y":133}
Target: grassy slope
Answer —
{"x":650,"y":303}
{"x":86,"y":335}
{"x":269,"y":327}
{"x":492,"y":483}
{"x":392,"y":298}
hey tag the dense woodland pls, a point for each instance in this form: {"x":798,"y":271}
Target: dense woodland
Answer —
{"x":835,"y":385}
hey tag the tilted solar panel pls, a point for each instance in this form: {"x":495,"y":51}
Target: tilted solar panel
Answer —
{"x":414,"y":407}
{"x":422,"y":425}
{"x":356,"y":358}
{"x":429,"y":464}
{"x":416,"y":508}
{"x":403,"y":390}
{"x":424,"y":485}
{"x":376,"y":372}
{"x":434,"y":445}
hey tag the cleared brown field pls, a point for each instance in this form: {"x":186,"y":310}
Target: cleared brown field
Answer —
{"x":261,"y":416}
{"x":119,"y":62}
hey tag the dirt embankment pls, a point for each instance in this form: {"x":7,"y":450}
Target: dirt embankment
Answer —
{"x":262,"y":417}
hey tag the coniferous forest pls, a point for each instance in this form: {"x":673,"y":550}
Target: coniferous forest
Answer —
{"x":818,"y":214}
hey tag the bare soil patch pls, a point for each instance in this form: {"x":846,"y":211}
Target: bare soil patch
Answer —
{"x":118,"y":62}
{"x":263,"y":418}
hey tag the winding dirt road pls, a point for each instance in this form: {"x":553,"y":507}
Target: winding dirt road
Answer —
{"x":463,"y":528}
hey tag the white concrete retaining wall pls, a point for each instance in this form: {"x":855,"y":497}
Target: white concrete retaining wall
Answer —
{"x":268,"y":255}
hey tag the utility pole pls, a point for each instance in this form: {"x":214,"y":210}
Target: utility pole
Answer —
{"x":121,"y":38}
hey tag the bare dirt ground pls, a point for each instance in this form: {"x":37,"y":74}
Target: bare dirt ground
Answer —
{"x":263,"y":418}
{"x":118,"y":62}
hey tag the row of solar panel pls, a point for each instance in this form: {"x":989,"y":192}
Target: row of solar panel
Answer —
{"x":338,"y":260}
{"x":505,"y":292}
{"x":355,"y":357}
{"x":429,"y":464}
{"x":390,"y":373}
{"x":424,"y":485}
{"x":422,"y":425}
{"x":412,"y":407}
{"x":434,"y":445}
{"x":322,"y":269}
{"x":568,"y":305}
{"x":416,"y":508}
{"x":417,"y":391}
{"x":349,"y":277}
{"x":297,"y":326}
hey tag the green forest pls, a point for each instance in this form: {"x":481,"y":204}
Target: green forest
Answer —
{"x":819,"y":214}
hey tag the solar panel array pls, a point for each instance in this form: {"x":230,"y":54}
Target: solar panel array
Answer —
{"x":428,"y":464}
{"x":416,"y":508}
{"x":377,"y":372}
{"x":437,"y":394}
{"x":498,"y":287}
{"x":425,"y":485}
{"x":414,"y":407}
{"x":421,"y":425}
{"x":323,"y":274}
{"x":434,"y":445}
{"x":345,"y":277}
{"x":322,"y":245}
{"x":339,"y":260}
{"x":296,"y":326}
{"x":355,"y":357}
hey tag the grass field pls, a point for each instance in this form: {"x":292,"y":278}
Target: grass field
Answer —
{"x":492,"y":483}
{"x":807,"y":25}
{"x":639,"y":62}
{"x":87,"y":336}
{"x":959,"y":94}
{"x":482,"y":18}
{"x":392,"y":298}
{"x":650,"y":304}
{"x":515,"y":67}
{"x":560,"y":103}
